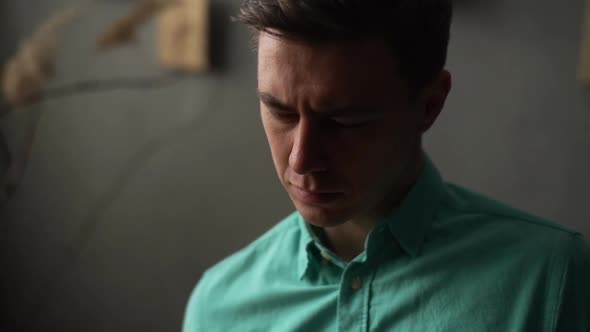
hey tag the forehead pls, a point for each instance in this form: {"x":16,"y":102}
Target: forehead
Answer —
{"x":344,"y":71}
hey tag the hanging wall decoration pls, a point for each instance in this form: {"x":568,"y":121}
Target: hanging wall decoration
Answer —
{"x":182,"y":42}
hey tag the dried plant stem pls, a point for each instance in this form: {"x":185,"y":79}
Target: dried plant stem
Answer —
{"x":7,"y":158}
{"x":89,"y":86}
{"x":25,"y":74}
{"x":17,"y":162}
{"x":4,"y":149}
{"x":124,"y":29}
{"x":97,"y":86}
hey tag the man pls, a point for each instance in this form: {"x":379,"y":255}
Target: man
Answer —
{"x":379,"y":242}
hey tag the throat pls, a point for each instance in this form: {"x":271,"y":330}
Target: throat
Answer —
{"x":346,"y":241}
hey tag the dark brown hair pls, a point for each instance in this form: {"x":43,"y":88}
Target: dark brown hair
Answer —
{"x":416,"y":30}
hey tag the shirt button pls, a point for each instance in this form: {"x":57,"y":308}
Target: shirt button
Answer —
{"x":356,"y":283}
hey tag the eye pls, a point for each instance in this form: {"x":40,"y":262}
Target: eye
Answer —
{"x":349,"y":123}
{"x":283,"y":116}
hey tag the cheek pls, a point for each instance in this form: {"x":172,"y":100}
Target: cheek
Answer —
{"x":359,"y":161}
{"x":376,"y":157}
{"x":279,"y":147}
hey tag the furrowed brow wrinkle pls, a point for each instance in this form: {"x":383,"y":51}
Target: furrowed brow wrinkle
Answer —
{"x":271,"y":101}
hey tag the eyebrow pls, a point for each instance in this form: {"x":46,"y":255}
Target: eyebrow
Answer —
{"x":272,"y":101}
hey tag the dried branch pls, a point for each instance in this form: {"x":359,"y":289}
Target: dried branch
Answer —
{"x":6,"y":157}
{"x":124,"y":30}
{"x":27,"y":72}
{"x":11,"y":178}
{"x":102,"y":85}
{"x":23,"y":79}
{"x":17,"y":163}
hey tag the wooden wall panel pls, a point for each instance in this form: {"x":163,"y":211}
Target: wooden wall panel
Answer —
{"x":183,"y":33}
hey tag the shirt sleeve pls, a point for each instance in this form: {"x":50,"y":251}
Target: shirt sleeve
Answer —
{"x":573,"y":311}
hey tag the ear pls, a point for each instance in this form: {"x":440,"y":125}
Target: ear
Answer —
{"x":435,"y":96}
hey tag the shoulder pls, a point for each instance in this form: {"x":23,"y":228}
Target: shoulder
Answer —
{"x":572,"y":309}
{"x":244,"y":272}
{"x":503,"y":241}
{"x":282,"y":240}
{"x":485,"y":224}
{"x":465,"y":206}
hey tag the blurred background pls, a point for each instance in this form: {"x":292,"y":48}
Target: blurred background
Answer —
{"x":129,"y":195}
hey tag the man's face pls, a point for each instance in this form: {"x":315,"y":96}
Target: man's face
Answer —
{"x":342,"y":130}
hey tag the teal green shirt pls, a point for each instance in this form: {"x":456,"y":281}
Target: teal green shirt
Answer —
{"x":446,"y":260}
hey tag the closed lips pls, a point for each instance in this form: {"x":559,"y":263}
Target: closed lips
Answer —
{"x":318,"y":191}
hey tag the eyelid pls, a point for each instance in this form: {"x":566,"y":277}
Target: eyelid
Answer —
{"x":353,"y":118}
{"x":341,"y":120}
{"x":282,"y":115}
{"x":272,"y":102}
{"x":352,"y":125}
{"x":279,"y":111}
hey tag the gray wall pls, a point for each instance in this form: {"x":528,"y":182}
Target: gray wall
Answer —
{"x":516,"y":123}
{"x":129,"y":195}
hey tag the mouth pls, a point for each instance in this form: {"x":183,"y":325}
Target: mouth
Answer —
{"x":317,"y":196}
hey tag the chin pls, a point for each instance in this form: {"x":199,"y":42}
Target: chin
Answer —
{"x":322,"y":216}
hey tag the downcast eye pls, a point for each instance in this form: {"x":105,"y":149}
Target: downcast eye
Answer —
{"x":350,"y":123}
{"x":284,"y":116}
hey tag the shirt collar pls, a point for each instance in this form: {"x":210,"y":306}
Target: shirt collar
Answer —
{"x":412,"y":220}
{"x":408,"y":224}
{"x":306,"y":245}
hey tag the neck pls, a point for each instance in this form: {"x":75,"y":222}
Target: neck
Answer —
{"x":348,"y":239}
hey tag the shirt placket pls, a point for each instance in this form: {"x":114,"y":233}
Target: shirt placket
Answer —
{"x":353,"y":299}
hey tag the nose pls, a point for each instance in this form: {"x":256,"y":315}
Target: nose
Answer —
{"x":307,"y":150}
